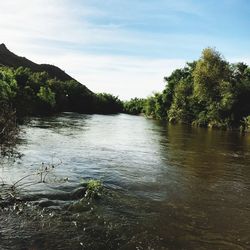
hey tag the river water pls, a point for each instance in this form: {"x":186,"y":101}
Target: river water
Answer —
{"x":164,"y":186}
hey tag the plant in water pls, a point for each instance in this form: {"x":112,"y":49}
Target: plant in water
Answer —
{"x":10,"y":192}
{"x":45,"y":170}
{"x":94,"y":188}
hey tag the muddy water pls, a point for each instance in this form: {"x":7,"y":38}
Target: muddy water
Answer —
{"x":165,"y":186}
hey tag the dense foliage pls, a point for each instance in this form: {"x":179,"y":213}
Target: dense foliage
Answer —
{"x":35,"y":93}
{"x":8,"y":128}
{"x":208,"y":92}
{"x":135,"y":106}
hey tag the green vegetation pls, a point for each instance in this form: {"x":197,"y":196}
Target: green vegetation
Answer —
{"x":245,"y":125}
{"x":94,"y":188}
{"x":208,"y":92}
{"x":8,"y":129}
{"x":135,"y":106}
{"x":35,"y":93}
{"x":107,"y":104}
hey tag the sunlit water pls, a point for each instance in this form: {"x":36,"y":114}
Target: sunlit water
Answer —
{"x":165,"y":186}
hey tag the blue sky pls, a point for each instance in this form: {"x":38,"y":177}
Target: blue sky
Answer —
{"x":124,"y":47}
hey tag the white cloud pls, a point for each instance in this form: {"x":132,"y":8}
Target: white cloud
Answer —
{"x":123,"y":76}
{"x":246,"y":60}
{"x":49,"y":31}
{"x":63,"y":33}
{"x":37,"y":28}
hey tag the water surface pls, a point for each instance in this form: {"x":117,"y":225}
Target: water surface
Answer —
{"x":165,"y":186}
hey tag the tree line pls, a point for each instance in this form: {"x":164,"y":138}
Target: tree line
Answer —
{"x":207,"y":92}
{"x":35,"y":93}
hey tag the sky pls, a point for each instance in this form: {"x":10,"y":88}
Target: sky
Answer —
{"x":124,"y":47}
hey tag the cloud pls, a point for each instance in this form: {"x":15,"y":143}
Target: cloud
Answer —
{"x":45,"y":20}
{"x":91,"y":23}
{"x":245,"y":59}
{"x":121,"y":47}
{"x":122,"y":76}
{"x":65,"y":33}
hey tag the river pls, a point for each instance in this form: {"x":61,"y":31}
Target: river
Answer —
{"x":164,"y":186}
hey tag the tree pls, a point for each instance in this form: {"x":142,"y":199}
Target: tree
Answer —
{"x":8,"y":85}
{"x":240,"y":79}
{"x":135,"y":106}
{"x":212,"y":88}
{"x":46,"y":95}
{"x":150,"y":107}
{"x":181,"y":107}
{"x":174,"y":79}
{"x":8,"y":88}
{"x":107,"y":104}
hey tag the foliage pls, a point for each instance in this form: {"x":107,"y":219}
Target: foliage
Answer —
{"x":212,"y":88}
{"x":135,"y":106}
{"x":8,"y":85}
{"x":181,"y":107}
{"x":107,"y":104}
{"x":36,"y":93}
{"x":46,"y":96}
{"x":149,"y":107}
{"x":245,"y":124}
{"x":8,"y":129}
{"x":207,"y":92}
{"x":94,"y":188}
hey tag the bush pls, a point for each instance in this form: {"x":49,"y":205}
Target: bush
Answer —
{"x":245,"y":125}
{"x":8,"y":128}
{"x":94,"y":188}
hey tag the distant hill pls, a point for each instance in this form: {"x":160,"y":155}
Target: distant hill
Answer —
{"x":8,"y":58}
{"x":34,"y":96}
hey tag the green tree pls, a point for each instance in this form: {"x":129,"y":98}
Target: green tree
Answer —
{"x":46,"y":100}
{"x":150,"y":107}
{"x":8,"y":88}
{"x":212,"y":89}
{"x":8,"y":85}
{"x":240,"y":79}
{"x":107,"y":103}
{"x":135,"y":106}
{"x":181,"y":109}
{"x":46,"y":95}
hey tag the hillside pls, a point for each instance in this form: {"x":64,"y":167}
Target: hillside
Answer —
{"x":8,"y":58}
{"x":29,"y":91}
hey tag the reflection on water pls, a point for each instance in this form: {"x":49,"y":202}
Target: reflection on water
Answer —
{"x":166,"y":186}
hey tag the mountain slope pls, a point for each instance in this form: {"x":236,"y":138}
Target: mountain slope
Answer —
{"x":7,"y":58}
